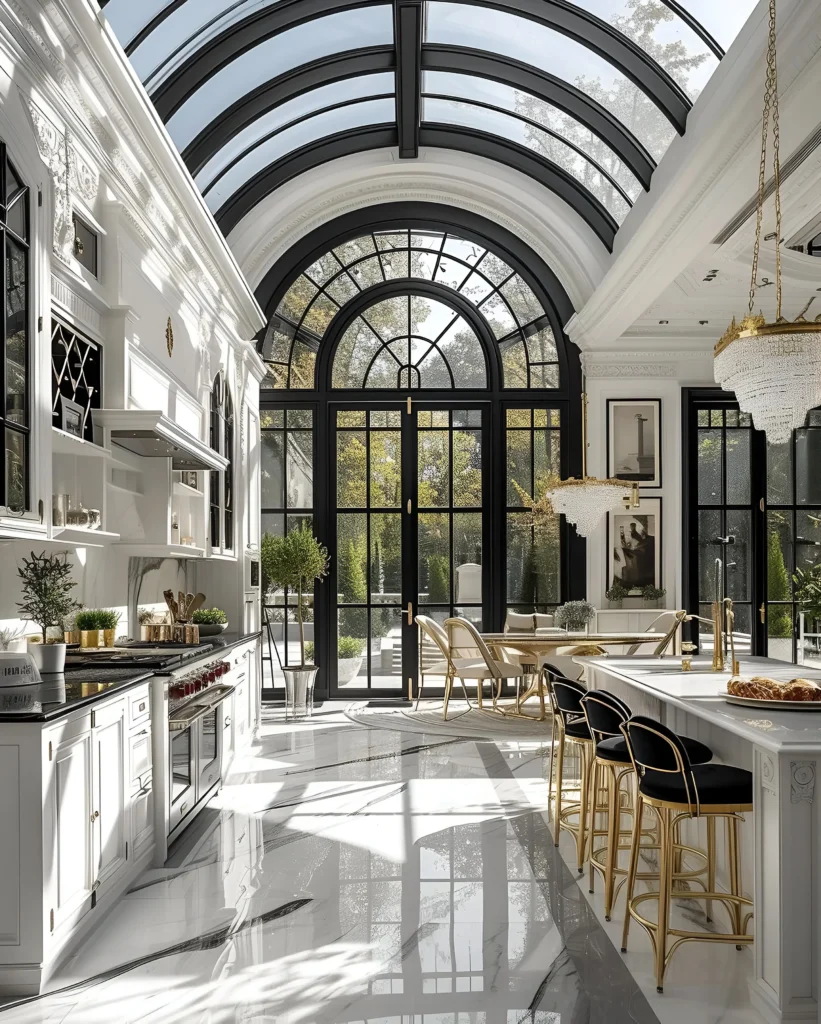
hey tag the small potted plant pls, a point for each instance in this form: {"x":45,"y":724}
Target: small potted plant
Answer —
{"x":574,"y":615}
{"x":108,"y":619}
{"x":293,"y":562}
{"x":46,"y":586}
{"x":653,"y":596}
{"x":211,"y":621}
{"x":617,"y":593}
{"x":71,"y":634}
{"x":349,"y":650}
{"x":89,"y":622}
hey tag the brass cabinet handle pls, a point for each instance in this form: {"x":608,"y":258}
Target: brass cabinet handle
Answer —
{"x":95,"y":816}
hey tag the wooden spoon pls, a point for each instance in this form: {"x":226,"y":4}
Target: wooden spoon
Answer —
{"x":196,"y":602}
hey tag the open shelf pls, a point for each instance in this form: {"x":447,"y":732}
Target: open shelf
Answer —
{"x":76,"y":536}
{"x":63,"y":443}
{"x":184,"y":491}
{"x":162,"y":550}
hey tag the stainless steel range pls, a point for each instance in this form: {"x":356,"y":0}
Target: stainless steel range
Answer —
{"x":189,"y":709}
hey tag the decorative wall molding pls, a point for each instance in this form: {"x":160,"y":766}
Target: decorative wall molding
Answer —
{"x":802,"y":781}
{"x":78,"y":309}
{"x":768,"y":776}
{"x":629,"y":364}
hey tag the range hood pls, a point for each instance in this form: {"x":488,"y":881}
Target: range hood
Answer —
{"x":151,"y":434}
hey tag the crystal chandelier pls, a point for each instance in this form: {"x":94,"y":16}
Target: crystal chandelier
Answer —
{"x":773,"y":368}
{"x":587,"y":501}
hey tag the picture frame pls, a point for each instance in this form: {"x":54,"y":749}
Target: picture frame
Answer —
{"x":634,"y":440}
{"x":73,"y":417}
{"x":634,"y":546}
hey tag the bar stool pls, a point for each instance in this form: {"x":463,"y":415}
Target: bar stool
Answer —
{"x":676,"y":789}
{"x":605,"y":714}
{"x":567,"y":696}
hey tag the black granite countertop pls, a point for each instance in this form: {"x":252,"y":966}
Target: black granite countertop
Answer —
{"x":61,"y":694}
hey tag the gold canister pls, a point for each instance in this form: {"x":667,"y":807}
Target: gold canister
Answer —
{"x":156,"y":633}
{"x":192,"y":634}
{"x":71,"y":636}
{"x":90,"y":638}
{"x":108,"y":637}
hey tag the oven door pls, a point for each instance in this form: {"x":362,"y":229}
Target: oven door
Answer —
{"x":210,"y":749}
{"x":182,"y":769}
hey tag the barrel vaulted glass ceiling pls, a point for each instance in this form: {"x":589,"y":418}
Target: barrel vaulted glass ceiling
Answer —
{"x":585,"y":96}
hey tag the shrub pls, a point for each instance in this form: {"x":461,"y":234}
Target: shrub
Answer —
{"x":347,"y":647}
{"x":209,"y":617}
{"x":617,"y":591}
{"x":107,"y":618}
{"x":438,"y":580}
{"x":92,"y":618}
{"x":574,"y":613}
{"x":46,"y":586}
{"x":651,"y":593}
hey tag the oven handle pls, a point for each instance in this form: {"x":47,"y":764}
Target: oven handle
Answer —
{"x":223,"y":696}
{"x":180,"y":725}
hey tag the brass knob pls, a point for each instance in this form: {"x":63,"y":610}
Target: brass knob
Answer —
{"x":95,"y":816}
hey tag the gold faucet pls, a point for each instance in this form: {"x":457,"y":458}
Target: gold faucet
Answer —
{"x":723,"y":623}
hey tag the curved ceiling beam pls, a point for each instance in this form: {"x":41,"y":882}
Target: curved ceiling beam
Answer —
{"x":548,"y":174}
{"x":276,"y":91}
{"x":587,"y":29}
{"x":457,"y":59}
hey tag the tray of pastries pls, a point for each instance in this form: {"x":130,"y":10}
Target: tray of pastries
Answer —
{"x":763,"y":692}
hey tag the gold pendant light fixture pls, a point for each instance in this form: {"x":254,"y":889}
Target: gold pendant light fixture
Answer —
{"x":773,"y":368}
{"x":587,"y":501}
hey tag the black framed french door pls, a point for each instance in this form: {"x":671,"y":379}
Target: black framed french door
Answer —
{"x":408,"y":533}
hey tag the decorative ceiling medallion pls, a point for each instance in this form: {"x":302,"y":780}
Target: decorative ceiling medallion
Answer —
{"x":773,"y":368}
{"x":169,"y":337}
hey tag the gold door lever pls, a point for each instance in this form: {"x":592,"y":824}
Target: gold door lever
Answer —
{"x":410,"y":613}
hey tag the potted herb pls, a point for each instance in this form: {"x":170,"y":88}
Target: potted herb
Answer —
{"x":653,"y":596}
{"x":349,"y":650}
{"x":108,"y":620}
{"x":293,"y":563}
{"x":617,"y":593}
{"x":46,"y":586}
{"x":211,"y":621}
{"x":574,"y":615}
{"x":89,"y":622}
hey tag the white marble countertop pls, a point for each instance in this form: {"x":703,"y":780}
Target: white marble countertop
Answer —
{"x":698,"y":693}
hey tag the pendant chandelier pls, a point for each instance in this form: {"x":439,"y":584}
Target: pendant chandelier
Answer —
{"x":773,"y":368}
{"x":587,"y":501}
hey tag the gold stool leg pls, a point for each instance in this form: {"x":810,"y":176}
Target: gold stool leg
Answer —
{"x":666,"y":859}
{"x":735,"y":872}
{"x":613,"y":833}
{"x":711,"y":863}
{"x":638,"y":813}
{"x":448,"y":687}
{"x":479,"y":693}
{"x":559,"y":772}
{"x":581,"y":835}
{"x":593,"y":799}
{"x":552,"y":765}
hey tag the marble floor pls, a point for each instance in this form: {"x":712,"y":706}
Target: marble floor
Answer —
{"x":349,"y":873}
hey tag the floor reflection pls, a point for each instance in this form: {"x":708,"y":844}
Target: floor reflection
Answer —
{"x":355,"y":875}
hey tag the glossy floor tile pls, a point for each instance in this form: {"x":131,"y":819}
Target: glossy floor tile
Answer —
{"x":357,"y":874}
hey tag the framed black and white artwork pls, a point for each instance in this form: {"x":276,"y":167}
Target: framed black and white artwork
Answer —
{"x":634,"y":440}
{"x":73,"y":416}
{"x":634,"y":546}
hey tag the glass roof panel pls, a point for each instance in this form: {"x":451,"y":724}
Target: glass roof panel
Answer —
{"x":510,"y":128}
{"x":469,"y":87}
{"x":512,"y":36}
{"x":186,"y":29}
{"x":128,"y":18}
{"x":300,"y":106}
{"x":722,"y":20}
{"x":322,"y":37}
{"x":340,"y":119}
{"x":662,"y":34}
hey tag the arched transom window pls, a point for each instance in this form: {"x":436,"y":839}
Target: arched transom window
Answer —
{"x":411,"y":341}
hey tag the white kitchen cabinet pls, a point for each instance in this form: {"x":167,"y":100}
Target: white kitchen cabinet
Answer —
{"x":141,"y":805}
{"x":108,"y":819}
{"x":70,"y":844}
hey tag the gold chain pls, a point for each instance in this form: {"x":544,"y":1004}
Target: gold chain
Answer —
{"x":770,"y":105}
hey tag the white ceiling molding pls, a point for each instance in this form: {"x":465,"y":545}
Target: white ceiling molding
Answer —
{"x":629,"y":364}
{"x":541,"y":219}
{"x":69,"y":56}
{"x":705,"y":173}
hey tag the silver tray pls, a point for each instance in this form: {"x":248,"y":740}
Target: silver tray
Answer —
{"x":773,"y":705}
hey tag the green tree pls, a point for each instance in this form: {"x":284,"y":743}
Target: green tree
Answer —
{"x":351,"y":582}
{"x":779,"y":616}
{"x":293,"y":562}
{"x":438,"y":580}
{"x":46,"y":586}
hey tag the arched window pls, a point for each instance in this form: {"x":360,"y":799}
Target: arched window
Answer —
{"x":15,"y":358}
{"x":515,"y":317}
{"x":222,"y":483}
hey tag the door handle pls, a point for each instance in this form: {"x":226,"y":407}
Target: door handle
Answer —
{"x":95,"y":816}
{"x":409,"y":613}
{"x":762,"y":611}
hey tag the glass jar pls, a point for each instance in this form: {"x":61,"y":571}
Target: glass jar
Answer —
{"x":77,"y":516}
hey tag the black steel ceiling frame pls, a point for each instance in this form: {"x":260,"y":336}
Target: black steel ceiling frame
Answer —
{"x":460,"y":60}
{"x":466,"y":140}
{"x":407,"y":34}
{"x":621,"y":52}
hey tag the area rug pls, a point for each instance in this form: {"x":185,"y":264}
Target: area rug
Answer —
{"x":462,"y":721}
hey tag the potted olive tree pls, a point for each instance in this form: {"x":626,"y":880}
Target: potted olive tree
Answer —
{"x":293,"y":563}
{"x":46,"y":586}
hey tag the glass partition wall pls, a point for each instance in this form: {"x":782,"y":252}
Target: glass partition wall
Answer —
{"x":420,"y":392}
{"x":756,"y":507}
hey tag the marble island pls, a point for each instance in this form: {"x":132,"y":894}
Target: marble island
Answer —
{"x":781,"y":859}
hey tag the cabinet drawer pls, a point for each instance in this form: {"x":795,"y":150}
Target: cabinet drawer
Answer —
{"x":139,"y":754}
{"x":139,"y":707}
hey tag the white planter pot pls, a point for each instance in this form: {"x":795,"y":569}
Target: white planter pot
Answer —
{"x":348,"y":669}
{"x":48,"y":657}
